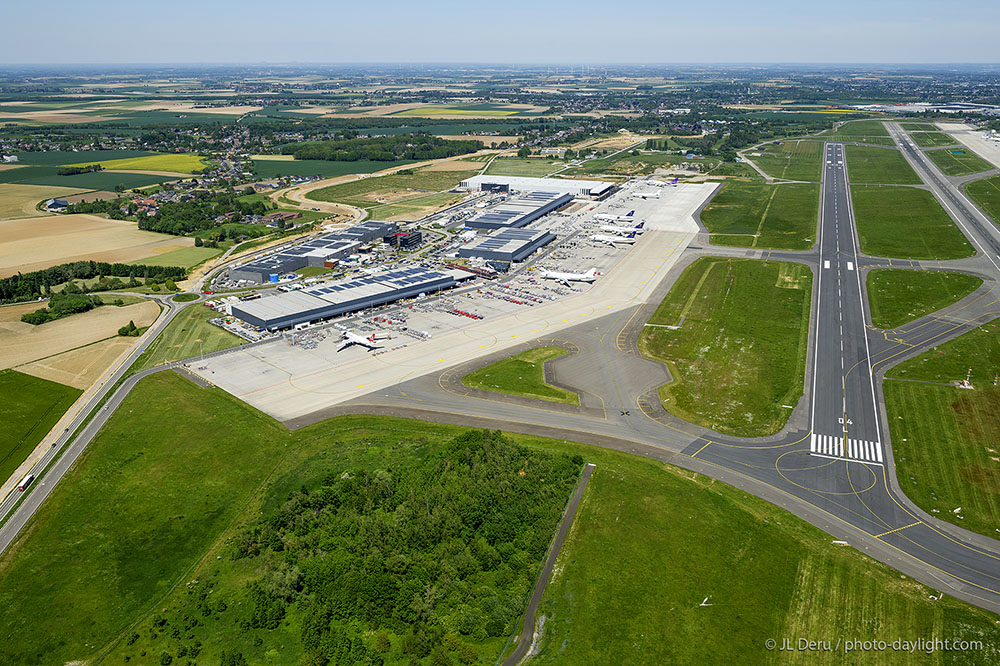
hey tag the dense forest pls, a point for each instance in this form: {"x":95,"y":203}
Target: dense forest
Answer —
{"x":347,"y":147}
{"x":429,"y":561}
{"x":37,"y":284}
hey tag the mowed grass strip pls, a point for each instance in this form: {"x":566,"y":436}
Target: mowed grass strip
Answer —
{"x":739,"y":354}
{"x":522,"y":375}
{"x":408,"y":184}
{"x":650,"y":543}
{"x":919,"y":127}
{"x":986,"y":194}
{"x":906,"y":223}
{"x":792,"y":160}
{"x":879,"y":166}
{"x":861,"y":131}
{"x":151,"y":493}
{"x":958,"y":161}
{"x":899,"y":296}
{"x":932,"y":139}
{"x":185,"y":257}
{"x":188,"y":334}
{"x":174,"y":162}
{"x":29,"y":409}
{"x":946,"y":440}
{"x":755,"y":214}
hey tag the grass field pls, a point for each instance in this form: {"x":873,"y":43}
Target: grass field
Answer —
{"x":740,"y":351}
{"x":944,"y":439}
{"x":189,"y":334}
{"x":415,"y":207}
{"x":867,"y":165}
{"x":313,"y":271}
{"x":754,"y":214}
{"x":958,"y":161}
{"x":906,"y":223}
{"x":898,"y":296}
{"x":65,"y":157}
{"x":176,"y":162}
{"x":185,"y":298}
{"x":127,"y":547}
{"x":533,"y":167}
{"x":523,"y":375}
{"x":186,"y":257}
{"x":95,"y":180}
{"x":919,"y":127}
{"x":932,"y":139}
{"x":29,"y":409}
{"x":986,"y":193}
{"x":394,"y":188}
{"x":679,"y":538}
{"x":792,"y":160}
{"x":863,"y":131}
{"x":273,"y":168}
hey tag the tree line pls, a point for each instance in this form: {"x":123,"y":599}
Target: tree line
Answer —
{"x":348,"y":148}
{"x":38,"y":284}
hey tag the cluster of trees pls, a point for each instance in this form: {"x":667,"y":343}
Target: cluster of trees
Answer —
{"x":414,"y":564}
{"x":184,"y":217}
{"x":38,"y":284}
{"x":73,"y":171}
{"x":63,"y":305}
{"x":129,"y":331}
{"x":348,"y":148}
{"x":109,"y":207}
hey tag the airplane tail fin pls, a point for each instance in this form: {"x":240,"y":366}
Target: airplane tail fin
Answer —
{"x":630,"y":213}
{"x":592,"y":272}
{"x":631,"y":235}
{"x":640,"y":225}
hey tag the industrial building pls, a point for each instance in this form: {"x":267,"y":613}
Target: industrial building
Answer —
{"x":405,"y":240}
{"x":316,"y":251}
{"x":336,"y":298}
{"x":519,"y":211}
{"x":595,"y":189}
{"x":507,"y":245}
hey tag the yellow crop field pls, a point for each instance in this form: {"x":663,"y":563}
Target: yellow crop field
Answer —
{"x":175,"y":163}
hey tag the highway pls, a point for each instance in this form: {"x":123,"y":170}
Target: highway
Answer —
{"x":832,"y":464}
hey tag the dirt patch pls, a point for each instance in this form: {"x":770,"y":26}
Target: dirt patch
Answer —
{"x":39,"y":242}
{"x":85,"y":197}
{"x":80,"y":368}
{"x":22,"y":343}
{"x":453,"y":165}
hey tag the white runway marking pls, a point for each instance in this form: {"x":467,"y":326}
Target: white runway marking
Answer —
{"x":850,"y":266}
{"x":831,"y":446}
{"x":826,"y":264}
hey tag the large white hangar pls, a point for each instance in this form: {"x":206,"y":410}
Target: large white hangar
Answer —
{"x":519,"y":211}
{"x":336,"y":298}
{"x":577,"y":188}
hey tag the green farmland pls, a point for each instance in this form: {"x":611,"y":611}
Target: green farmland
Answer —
{"x":879,"y":166}
{"x":266,"y":169}
{"x":522,"y":375}
{"x":755,"y":214}
{"x":30,"y":408}
{"x":944,"y":439}
{"x":94,"y":180}
{"x":898,"y":296}
{"x":906,"y":223}
{"x":958,"y":161}
{"x":740,"y":351}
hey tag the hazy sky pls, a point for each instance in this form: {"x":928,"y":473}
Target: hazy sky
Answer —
{"x":505,"y":31}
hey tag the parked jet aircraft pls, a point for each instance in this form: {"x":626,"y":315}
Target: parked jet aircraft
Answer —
{"x":615,"y":240}
{"x":355,"y":339}
{"x":566,"y":278}
{"x":604,"y":217}
{"x":610,"y":228}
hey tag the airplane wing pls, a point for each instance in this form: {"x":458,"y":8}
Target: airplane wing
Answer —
{"x":564,"y":281}
{"x":344,"y":345}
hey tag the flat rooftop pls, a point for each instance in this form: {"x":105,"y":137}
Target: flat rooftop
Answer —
{"x":551,"y":185}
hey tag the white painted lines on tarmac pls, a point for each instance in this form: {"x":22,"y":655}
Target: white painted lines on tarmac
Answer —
{"x":832,"y":446}
{"x":826,"y":264}
{"x":850,"y":266}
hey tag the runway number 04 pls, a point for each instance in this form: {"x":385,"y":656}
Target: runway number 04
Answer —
{"x":844,"y":421}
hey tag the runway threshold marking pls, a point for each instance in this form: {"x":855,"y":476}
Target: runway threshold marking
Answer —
{"x":898,"y":529}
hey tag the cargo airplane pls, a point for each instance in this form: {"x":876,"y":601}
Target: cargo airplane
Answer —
{"x":566,"y":278}
{"x":604,"y":217}
{"x":355,"y":339}
{"x":610,"y":228}
{"x":615,"y":240}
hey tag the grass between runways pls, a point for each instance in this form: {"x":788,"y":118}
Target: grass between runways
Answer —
{"x":755,"y":214}
{"x":188,"y":334}
{"x":880,"y":166}
{"x":740,"y":353}
{"x":899,"y":296}
{"x":958,"y":161}
{"x":932,"y":139}
{"x":861,"y":131}
{"x":906,"y":223}
{"x":793,"y":160}
{"x":524,"y":375}
{"x":946,"y":440}
{"x":919,"y":127}
{"x":29,"y":408}
{"x":986,"y":193}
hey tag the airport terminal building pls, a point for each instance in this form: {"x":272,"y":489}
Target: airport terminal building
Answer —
{"x":313,"y":252}
{"x":519,"y":211}
{"x":507,"y":245}
{"x":595,"y":189}
{"x":336,"y":298}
